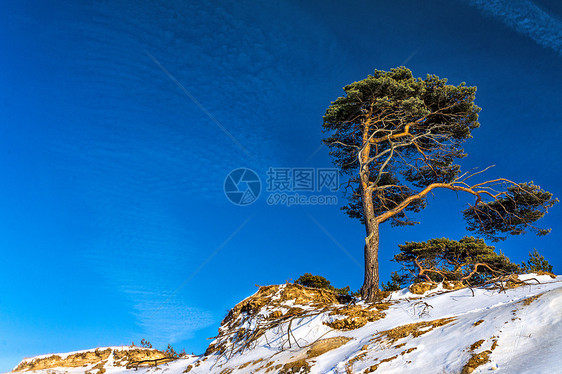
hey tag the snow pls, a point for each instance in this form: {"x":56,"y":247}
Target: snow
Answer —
{"x":523,"y":335}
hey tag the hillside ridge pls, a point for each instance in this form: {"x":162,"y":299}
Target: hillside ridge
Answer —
{"x":290,"y":328}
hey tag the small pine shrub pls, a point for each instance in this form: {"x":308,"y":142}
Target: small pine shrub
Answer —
{"x":314,"y":281}
{"x":536,"y":263}
{"x":317,"y":281}
{"x":395,"y":283}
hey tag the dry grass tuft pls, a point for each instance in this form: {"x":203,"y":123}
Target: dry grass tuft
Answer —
{"x":476,"y":345}
{"x":475,"y":361}
{"x":414,"y":329}
{"x":274,"y":368}
{"x":355,"y":317}
{"x":374,"y":367}
{"x":409,"y":350}
{"x":305,"y":295}
{"x":422,"y":287}
{"x":382,"y":306}
{"x":453,"y":285}
{"x":381,"y":295}
{"x":353,"y":360}
{"x":97,"y":369}
{"x":324,"y":345}
{"x":527,"y":301}
{"x":299,"y":366}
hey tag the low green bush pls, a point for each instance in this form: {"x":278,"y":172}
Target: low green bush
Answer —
{"x":317,"y":281}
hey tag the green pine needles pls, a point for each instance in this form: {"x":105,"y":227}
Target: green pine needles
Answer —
{"x":317,"y":281}
{"x":536,"y":263}
{"x":468,"y":260}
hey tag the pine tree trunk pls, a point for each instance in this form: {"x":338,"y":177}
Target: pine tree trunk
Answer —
{"x":371,"y":283}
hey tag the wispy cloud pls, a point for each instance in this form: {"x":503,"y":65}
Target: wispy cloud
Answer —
{"x":145,"y":266}
{"x":527,"y":18}
{"x":174,"y":323}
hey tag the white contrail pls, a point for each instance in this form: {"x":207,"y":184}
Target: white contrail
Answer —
{"x":527,"y":18}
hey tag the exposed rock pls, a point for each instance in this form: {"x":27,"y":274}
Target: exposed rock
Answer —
{"x":95,"y":358}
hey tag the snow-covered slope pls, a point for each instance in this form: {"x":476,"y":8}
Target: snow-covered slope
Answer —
{"x":290,"y":329}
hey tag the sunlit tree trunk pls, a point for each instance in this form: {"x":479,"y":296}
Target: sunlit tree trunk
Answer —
{"x":371,"y":282}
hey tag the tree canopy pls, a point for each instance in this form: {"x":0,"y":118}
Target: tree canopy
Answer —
{"x":417,"y":128}
{"x":414,"y":129}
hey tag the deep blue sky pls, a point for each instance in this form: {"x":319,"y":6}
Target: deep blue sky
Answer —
{"x":113,"y":221}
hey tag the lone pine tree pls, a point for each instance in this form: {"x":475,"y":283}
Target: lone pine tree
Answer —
{"x":398,"y":138}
